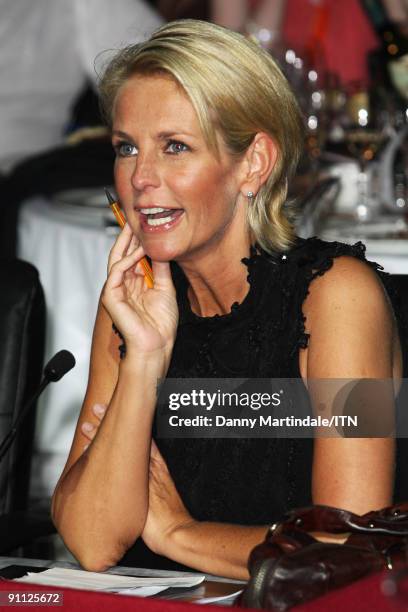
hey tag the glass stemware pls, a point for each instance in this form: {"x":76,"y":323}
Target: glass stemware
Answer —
{"x":363,"y":143}
{"x":363,"y":140}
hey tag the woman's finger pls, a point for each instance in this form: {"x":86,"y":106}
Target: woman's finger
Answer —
{"x":154,"y":451}
{"x":99,"y":411}
{"x":133,"y":244}
{"x":162,"y":276}
{"x":89,"y":430}
{"x":121,"y":245}
{"x":156,"y":458}
{"x":123,"y":265}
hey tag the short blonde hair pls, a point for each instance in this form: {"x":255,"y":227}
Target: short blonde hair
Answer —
{"x":237,"y":89}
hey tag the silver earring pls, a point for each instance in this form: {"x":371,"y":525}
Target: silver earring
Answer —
{"x":250,"y":196}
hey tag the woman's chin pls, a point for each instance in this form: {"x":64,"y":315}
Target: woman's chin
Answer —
{"x":161,"y":252}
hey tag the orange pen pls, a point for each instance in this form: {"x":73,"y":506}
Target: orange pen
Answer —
{"x":117,"y":211}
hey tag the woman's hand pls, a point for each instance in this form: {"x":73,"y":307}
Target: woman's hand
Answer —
{"x":89,"y":430}
{"x":147,"y":318}
{"x":166,"y":513}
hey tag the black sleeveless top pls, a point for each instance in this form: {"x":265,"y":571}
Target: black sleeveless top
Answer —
{"x":247,"y":481}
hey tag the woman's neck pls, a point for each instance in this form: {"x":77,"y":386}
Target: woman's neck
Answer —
{"x":217,"y":279}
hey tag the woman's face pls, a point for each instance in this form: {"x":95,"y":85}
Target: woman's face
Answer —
{"x":179,"y":199}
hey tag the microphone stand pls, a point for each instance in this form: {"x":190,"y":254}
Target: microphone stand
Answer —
{"x":20,"y":528}
{"x":8,"y":440}
{"x":56,"y":368}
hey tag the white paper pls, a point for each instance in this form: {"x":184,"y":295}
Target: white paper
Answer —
{"x":95,"y":581}
{"x":225,"y":599}
{"x":142,"y":591}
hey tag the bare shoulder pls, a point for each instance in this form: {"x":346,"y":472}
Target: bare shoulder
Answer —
{"x":350,"y":322}
{"x":348,"y":282}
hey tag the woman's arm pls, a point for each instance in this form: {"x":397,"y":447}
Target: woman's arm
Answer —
{"x":217,"y":548}
{"x":171,"y":531}
{"x":353,"y":335}
{"x":221,"y":549}
{"x":100,"y":502}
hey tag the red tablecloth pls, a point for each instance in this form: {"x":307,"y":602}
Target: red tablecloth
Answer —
{"x":362,"y":596}
{"x":98,"y":602}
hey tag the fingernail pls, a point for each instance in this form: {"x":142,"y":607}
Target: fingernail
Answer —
{"x":99,"y":409}
{"x":87,"y":427}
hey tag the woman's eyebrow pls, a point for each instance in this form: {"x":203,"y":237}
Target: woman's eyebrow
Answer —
{"x":121,"y":134}
{"x":160,"y":135}
{"x":172,"y":133}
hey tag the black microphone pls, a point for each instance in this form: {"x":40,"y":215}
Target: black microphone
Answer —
{"x":56,"y":368}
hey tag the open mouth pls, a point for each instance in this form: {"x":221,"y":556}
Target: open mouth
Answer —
{"x":155,"y":217}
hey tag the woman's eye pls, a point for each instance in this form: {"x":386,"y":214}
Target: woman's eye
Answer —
{"x":174,"y":146}
{"x":125,"y":149}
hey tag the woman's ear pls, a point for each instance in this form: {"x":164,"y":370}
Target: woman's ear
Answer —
{"x":260,"y":159}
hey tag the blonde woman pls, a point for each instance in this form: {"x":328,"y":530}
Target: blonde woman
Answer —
{"x":207,"y":135}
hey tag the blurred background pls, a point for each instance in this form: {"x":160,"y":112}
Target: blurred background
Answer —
{"x":348,"y":65}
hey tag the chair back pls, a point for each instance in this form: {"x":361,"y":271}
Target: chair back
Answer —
{"x":22,"y":336}
{"x":400,"y":282}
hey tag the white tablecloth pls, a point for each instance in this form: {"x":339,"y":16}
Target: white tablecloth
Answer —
{"x":70,"y":248}
{"x":394,"y":264}
{"x":390,"y":253}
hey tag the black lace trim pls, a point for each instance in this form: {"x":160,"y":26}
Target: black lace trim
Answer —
{"x":121,"y":347}
{"x":319,"y":260}
{"x":314,"y":256}
{"x":256,"y":258}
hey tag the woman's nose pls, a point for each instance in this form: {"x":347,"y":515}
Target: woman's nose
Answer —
{"x":145,"y":173}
